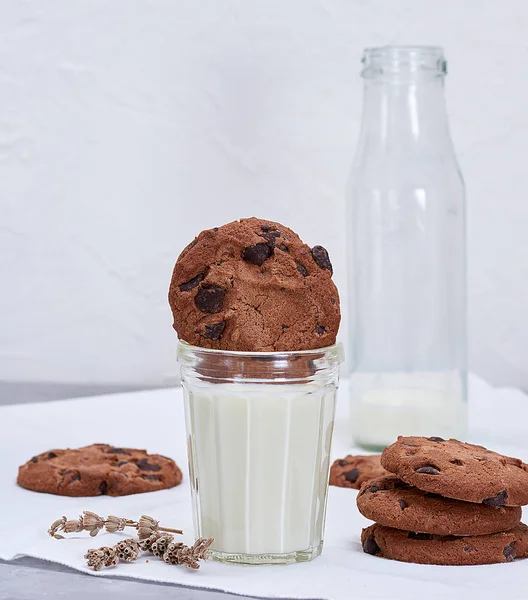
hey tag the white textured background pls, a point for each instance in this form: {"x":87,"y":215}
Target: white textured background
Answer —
{"x":126,"y":126}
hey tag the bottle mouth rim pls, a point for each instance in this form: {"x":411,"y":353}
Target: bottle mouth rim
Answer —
{"x":405,"y":50}
{"x":395,"y":60}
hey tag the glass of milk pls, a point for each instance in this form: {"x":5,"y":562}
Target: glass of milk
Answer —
{"x":259,"y":430}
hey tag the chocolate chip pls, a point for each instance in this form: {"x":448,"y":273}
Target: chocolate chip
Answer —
{"x":374,"y":488}
{"x":320,"y":330}
{"x":436,"y":439}
{"x":76,"y":476}
{"x":343,"y":463}
{"x":192,"y":283}
{"x":410,"y":445}
{"x":150,"y":477}
{"x":418,"y":536}
{"x":34,"y":459}
{"x":257,"y":254}
{"x":456,"y":462}
{"x":118,"y":451}
{"x":332,"y":301}
{"x":209,"y":298}
{"x":498,"y":500}
{"x":302,"y":269}
{"x":144,"y":465}
{"x":402,"y":504}
{"x":215,"y":229}
{"x":509,"y":552}
{"x":428,"y":470}
{"x":271,"y":236}
{"x":213,"y":331}
{"x":370,"y":546}
{"x":265,"y":227}
{"x":352,"y":475}
{"x":123,"y":462}
{"x":320,"y":255}
{"x":103,"y":487}
{"x":468,"y":548}
{"x":282,"y":247}
{"x":51,"y":455}
{"x":285,"y":326}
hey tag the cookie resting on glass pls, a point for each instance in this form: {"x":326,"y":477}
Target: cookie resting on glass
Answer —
{"x":253,"y":285}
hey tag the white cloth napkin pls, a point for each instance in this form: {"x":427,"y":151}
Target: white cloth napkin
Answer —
{"x":154,"y":420}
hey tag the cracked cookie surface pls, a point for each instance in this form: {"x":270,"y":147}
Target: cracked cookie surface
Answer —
{"x":253,"y":285}
{"x":458,"y":470}
{"x":97,"y":470}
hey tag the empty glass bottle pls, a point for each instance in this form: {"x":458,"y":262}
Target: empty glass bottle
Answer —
{"x":407,"y":279}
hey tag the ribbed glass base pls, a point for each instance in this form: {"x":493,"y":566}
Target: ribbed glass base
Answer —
{"x":267,"y":559}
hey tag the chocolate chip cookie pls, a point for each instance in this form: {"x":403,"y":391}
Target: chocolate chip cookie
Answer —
{"x":353,"y":471}
{"x":253,"y":285}
{"x":98,"y":469}
{"x":458,"y":470}
{"x":394,"y":503}
{"x":429,"y":549}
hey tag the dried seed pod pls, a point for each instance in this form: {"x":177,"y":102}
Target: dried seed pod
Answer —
{"x":147,"y":526}
{"x":113,"y":524}
{"x":171,"y":554}
{"x":159,"y":547}
{"x":104,"y":556}
{"x":73,"y":526}
{"x":188,"y":556}
{"x":146,"y":544}
{"x":127,"y":550}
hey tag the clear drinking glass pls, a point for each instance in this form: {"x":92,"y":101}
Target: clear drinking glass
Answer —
{"x":259,"y":429}
{"x":407,"y":279}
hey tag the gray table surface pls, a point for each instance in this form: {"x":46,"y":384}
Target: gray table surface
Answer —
{"x":30,"y":578}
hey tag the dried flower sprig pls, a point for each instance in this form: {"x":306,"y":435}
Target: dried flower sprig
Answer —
{"x":153,"y":539}
{"x":159,"y":544}
{"x":92,"y":522}
{"x":109,"y":556}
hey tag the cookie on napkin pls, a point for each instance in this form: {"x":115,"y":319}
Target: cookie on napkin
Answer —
{"x":98,"y":469}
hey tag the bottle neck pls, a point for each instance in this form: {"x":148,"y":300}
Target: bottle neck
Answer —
{"x":405,"y":114}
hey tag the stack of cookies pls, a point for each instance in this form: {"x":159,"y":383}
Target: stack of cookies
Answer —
{"x":445,"y":503}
